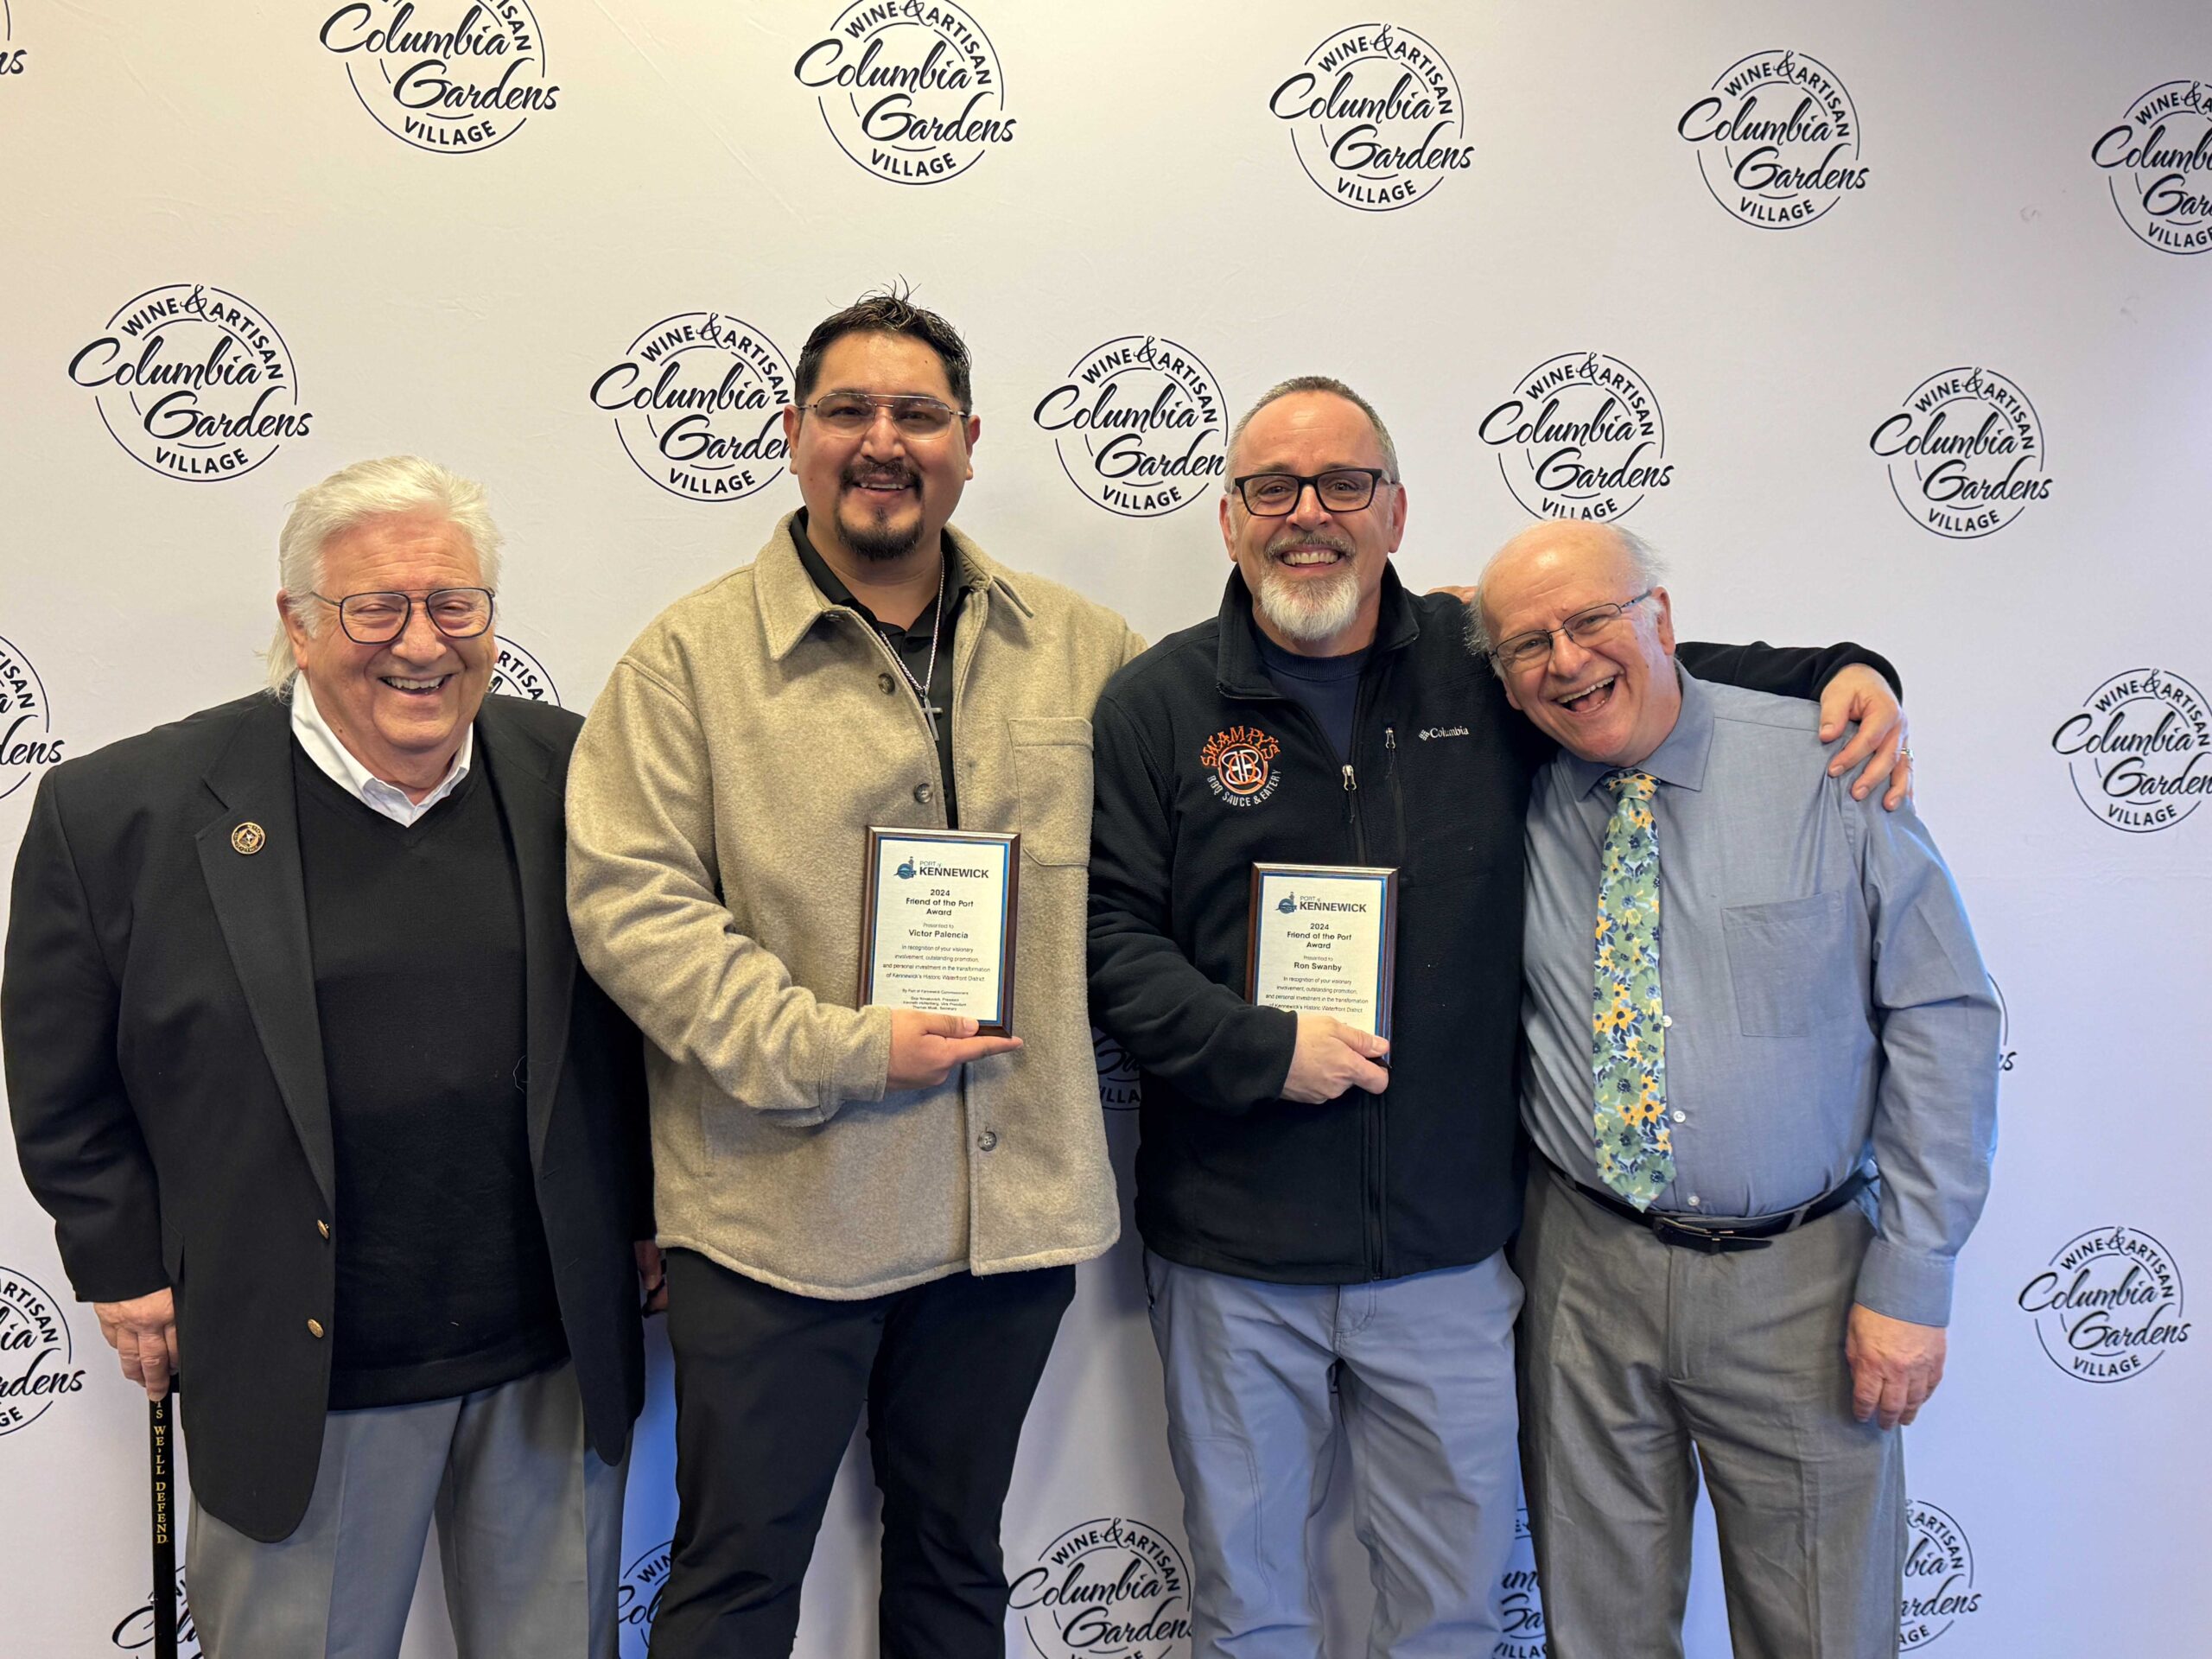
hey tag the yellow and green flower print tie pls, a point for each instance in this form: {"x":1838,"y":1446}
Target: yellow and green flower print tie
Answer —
{"x":1628,"y":1050}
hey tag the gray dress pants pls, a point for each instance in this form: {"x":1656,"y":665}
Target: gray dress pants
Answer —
{"x":529,"y":1536}
{"x":1261,"y":1377}
{"x":1633,"y":1352}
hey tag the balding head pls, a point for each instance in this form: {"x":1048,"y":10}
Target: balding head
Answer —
{"x":1598,"y":679}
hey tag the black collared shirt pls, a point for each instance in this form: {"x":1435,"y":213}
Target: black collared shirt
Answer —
{"x":928,"y":659}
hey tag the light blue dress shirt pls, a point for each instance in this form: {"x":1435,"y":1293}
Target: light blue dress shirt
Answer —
{"x":1824,"y":998}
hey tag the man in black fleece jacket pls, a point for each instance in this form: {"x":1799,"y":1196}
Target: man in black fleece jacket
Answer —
{"x":1321,"y":1210}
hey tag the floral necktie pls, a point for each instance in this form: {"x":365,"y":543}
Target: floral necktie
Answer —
{"x":1628,"y":1049}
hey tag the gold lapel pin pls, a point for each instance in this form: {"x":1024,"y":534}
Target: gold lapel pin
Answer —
{"x":249,"y":838}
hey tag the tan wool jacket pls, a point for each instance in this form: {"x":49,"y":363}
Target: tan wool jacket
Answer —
{"x":718,"y":805}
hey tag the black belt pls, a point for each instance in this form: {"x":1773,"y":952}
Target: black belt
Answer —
{"x":1713,"y":1238}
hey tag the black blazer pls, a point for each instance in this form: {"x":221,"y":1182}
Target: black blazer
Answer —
{"x":165,"y":1073}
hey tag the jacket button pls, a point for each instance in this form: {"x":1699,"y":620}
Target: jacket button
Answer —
{"x":323,"y":1226}
{"x":315,"y":1329}
{"x":888,"y":685}
{"x":987,"y":1139}
{"x":923,"y":792}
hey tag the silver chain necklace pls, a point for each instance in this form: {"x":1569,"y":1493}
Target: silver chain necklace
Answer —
{"x":929,"y":710}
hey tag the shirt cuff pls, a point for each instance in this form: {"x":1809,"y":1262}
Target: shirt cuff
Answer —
{"x":1903,"y":1284}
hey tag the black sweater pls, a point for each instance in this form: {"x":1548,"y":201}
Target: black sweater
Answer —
{"x":1230,"y":1177}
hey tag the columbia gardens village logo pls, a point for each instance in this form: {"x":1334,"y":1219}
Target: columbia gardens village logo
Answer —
{"x":637,"y":1599}
{"x":1111,"y":1587}
{"x":519,"y":674}
{"x":12,"y":54}
{"x":698,"y":402}
{"x":447,"y":76}
{"x":1138,"y":426}
{"x":1939,"y":1586}
{"x":910,"y":89}
{"x":1776,"y":139}
{"x":1376,"y":116}
{"x":2159,"y":163}
{"x":37,"y":1354}
{"x":192,"y":382}
{"x":1966,"y":452}
{"x":28,"y":743}
{"x":1582,"y":436}
{"x":1121,"y":1084}
{"x":2140,"y":750}
{"x":2109,"y":1305}
{"x":134,"y":1631}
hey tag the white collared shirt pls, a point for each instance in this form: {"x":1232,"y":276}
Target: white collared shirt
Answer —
{"x":313,"y":733}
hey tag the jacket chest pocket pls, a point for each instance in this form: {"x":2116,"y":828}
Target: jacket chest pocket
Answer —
{"x":1051,"y":781}
{"x":1791,"y":965}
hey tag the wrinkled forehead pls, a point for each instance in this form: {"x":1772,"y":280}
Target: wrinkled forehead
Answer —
{"x":1538,"y":582}
{"x":1306,"y":432}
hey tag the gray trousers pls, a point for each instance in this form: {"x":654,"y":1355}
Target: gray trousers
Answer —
{"x":1633,"y":1352}
{"x":529,"y":1536}
{"x":1423,"y":1369}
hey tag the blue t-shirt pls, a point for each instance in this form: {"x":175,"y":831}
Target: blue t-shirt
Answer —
{"x":1326,"y":687}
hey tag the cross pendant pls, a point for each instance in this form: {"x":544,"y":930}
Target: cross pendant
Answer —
{"x":932,"y":711}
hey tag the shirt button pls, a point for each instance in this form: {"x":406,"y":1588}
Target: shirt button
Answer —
{"x":922,"y":793}
{"x":987,"y":1139}
{"x":1680,"y":1116}
{"x":1694,"y":1200}
{"x":315,"y":1329}
{"x":888,"y":685}
{"x":1666,"y":1019}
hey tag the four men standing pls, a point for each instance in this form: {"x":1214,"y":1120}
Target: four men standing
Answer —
{"x":878,"y":1210}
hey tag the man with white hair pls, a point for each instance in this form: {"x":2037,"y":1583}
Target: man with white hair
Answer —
{"x":1324,"y":1234}
{"x":302,"y":1064}
{"x":1762,"y":1083}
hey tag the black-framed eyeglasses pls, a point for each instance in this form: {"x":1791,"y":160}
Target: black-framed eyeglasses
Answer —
{"x":851,"y":413}
{"x":1341,"y":489}
{"x":1584,"y":627}
{"x":380,"y":618}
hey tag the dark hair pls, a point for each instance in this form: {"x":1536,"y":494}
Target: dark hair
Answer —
{"x":890,"y":311}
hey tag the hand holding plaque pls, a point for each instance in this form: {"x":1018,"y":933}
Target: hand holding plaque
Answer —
{"x":1323,"y":941}
{"x":937,"y":924}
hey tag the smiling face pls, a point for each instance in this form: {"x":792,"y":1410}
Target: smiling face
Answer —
{"x":400,"y":708}
{"x":1315,"y":577}
{"x":883,"y":495}
{"x":1613,"y":698}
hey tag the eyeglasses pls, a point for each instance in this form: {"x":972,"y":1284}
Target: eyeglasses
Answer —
{"x":1341,"y":489}
{"x":1584,"y":627}
{"x":849,"y":414}
{"x":380,"y":618}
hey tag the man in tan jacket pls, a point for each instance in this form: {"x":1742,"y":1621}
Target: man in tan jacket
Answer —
{"x":869,"y":1205}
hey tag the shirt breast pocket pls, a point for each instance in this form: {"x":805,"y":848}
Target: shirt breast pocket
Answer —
{"x":1052,"y":780}
{"x":1790,"y":965}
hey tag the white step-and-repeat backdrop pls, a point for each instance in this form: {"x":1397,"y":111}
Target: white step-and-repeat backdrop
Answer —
{"x":1886,"y":321}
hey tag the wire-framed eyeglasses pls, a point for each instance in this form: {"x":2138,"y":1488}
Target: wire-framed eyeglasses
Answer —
{"x":378,"y":618}
{"x":1584,"y":627}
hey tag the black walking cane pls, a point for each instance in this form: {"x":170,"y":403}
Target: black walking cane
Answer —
{"x":163,"y":1487}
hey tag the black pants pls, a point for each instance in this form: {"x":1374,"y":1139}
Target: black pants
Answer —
{"x":768,"y":1386}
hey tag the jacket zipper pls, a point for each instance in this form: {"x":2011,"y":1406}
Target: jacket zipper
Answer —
{"x":1370,"y":1106}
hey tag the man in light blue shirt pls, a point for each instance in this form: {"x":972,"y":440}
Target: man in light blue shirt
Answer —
{"x":1761,"y":1080}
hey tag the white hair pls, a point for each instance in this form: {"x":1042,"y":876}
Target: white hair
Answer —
{"x":1646,"y":570}
{"x":350,"y":497}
